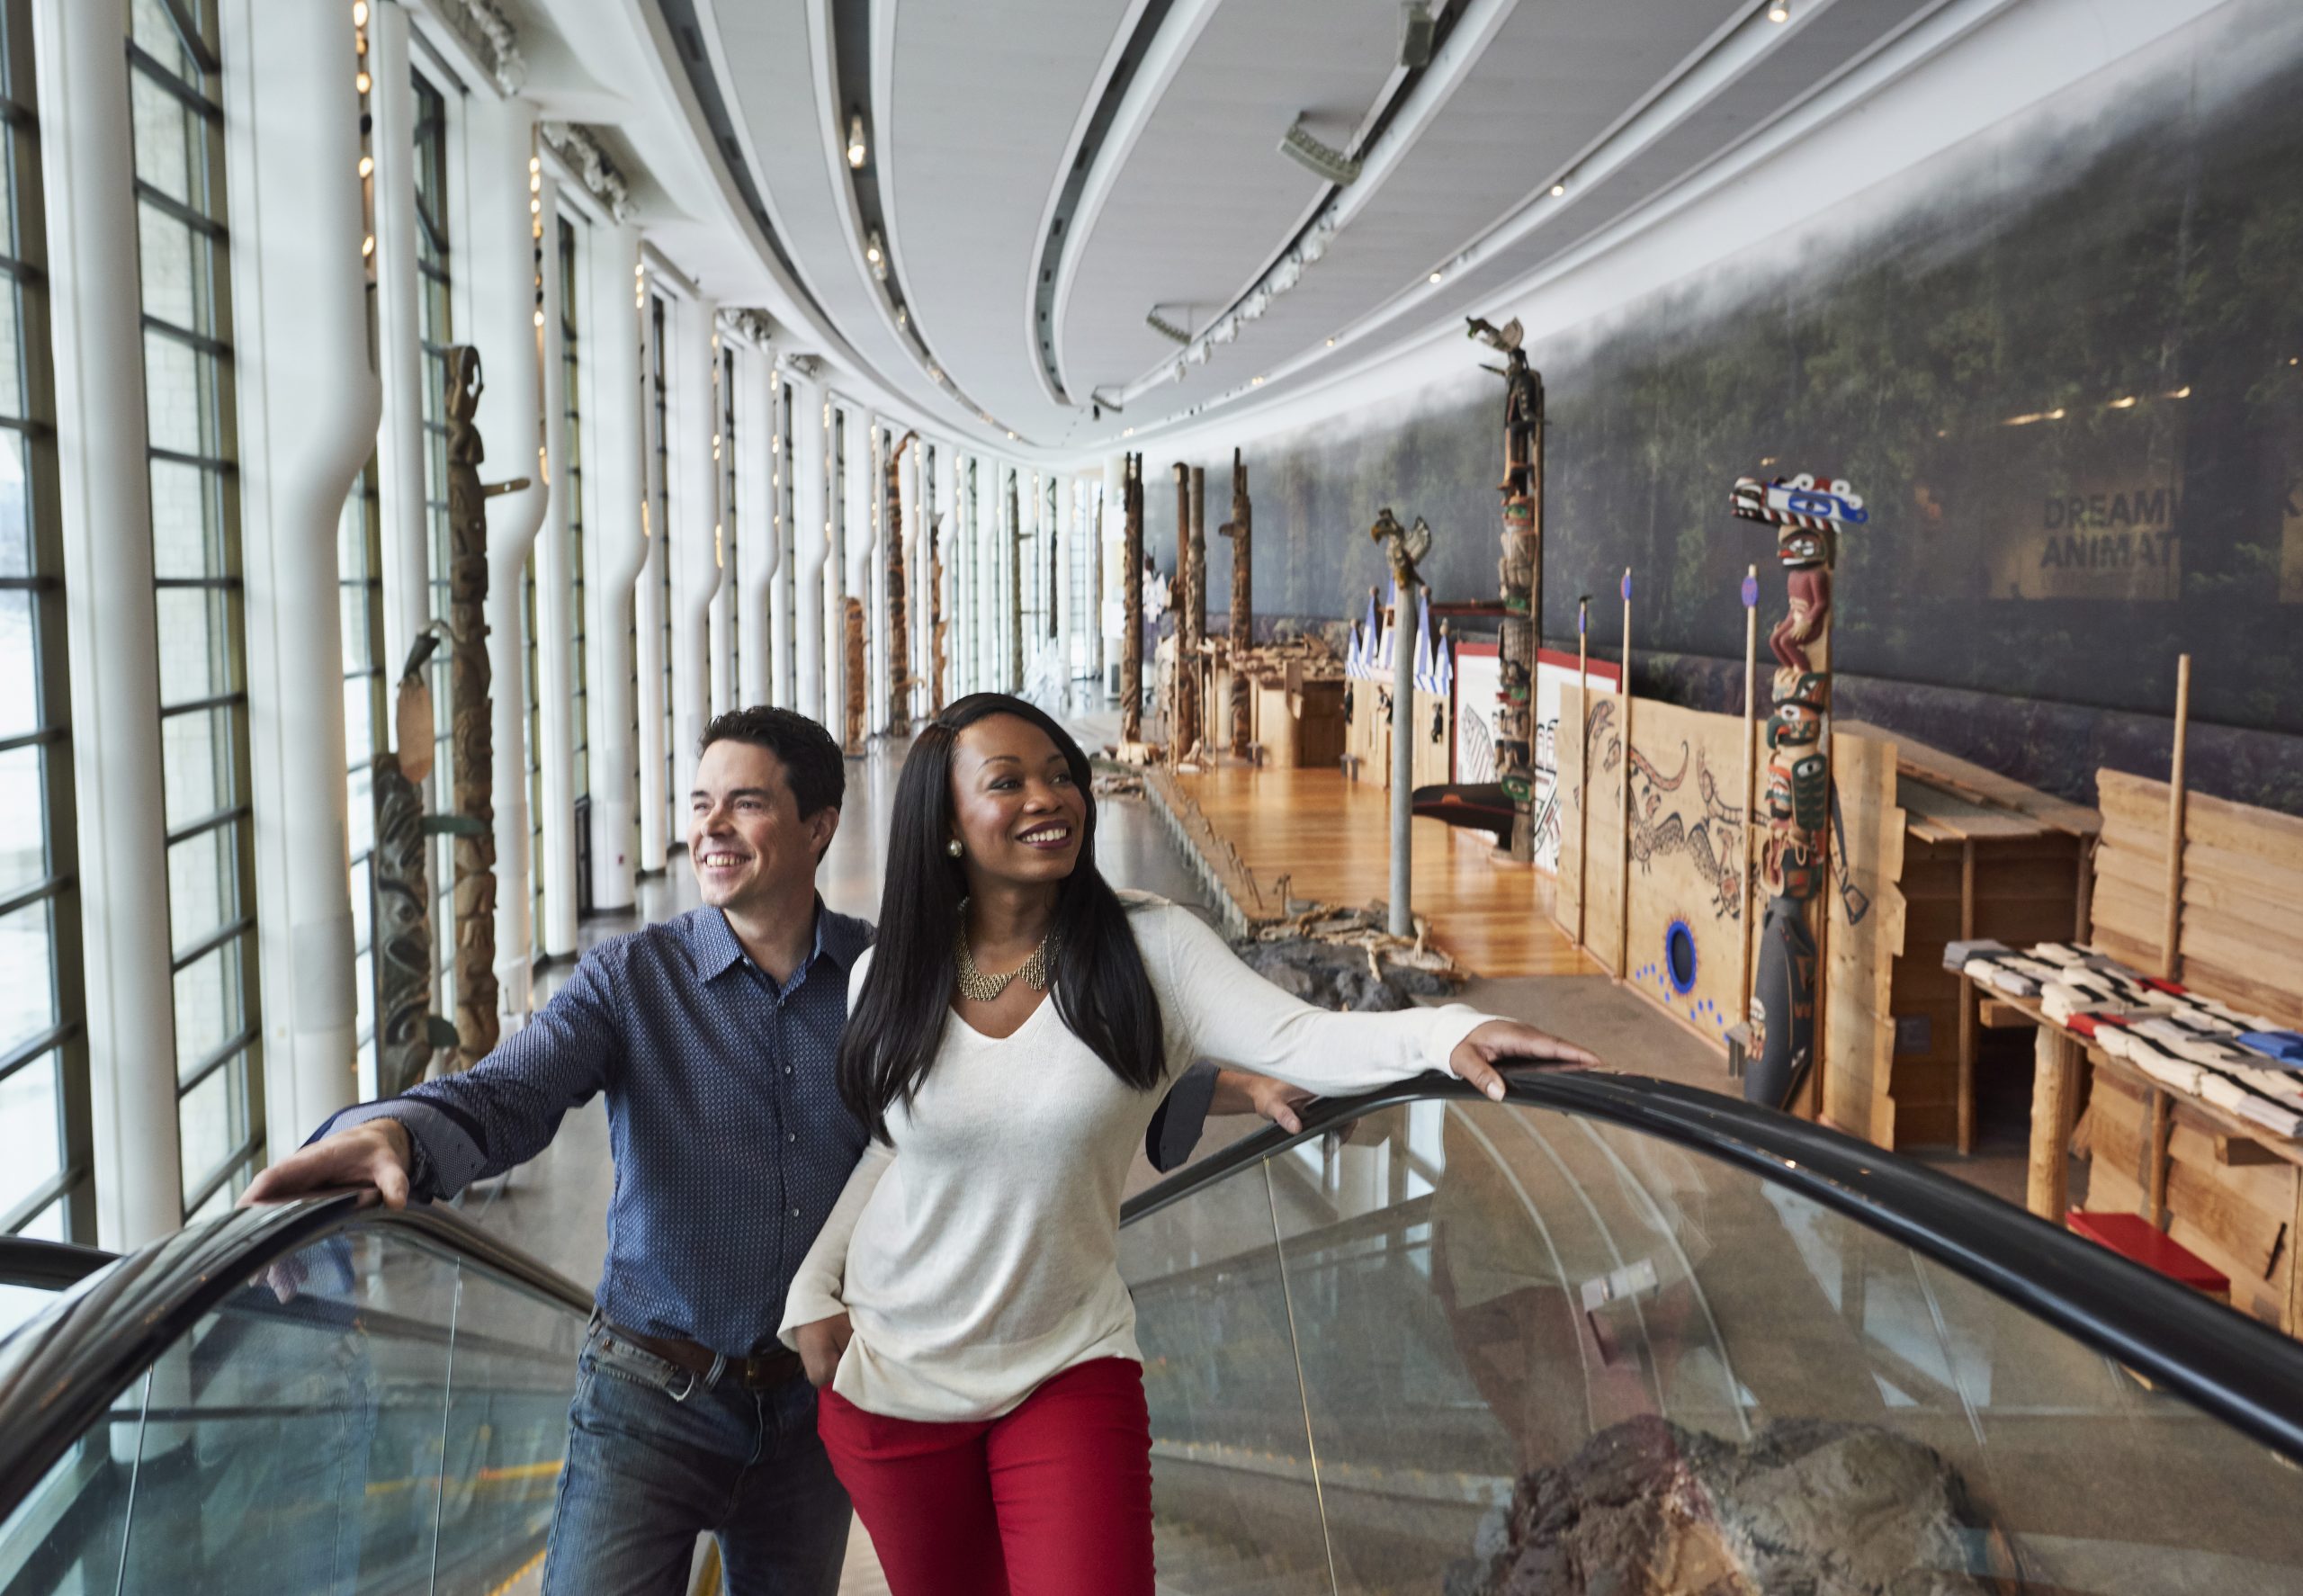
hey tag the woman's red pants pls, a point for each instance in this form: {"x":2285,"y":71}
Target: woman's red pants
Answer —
{"x":1052,"y":1498}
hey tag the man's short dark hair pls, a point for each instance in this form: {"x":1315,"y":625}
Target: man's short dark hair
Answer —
{"x":811,"y":759}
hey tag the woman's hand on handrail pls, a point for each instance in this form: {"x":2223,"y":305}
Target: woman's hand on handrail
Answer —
{"x":1476,"y":1057}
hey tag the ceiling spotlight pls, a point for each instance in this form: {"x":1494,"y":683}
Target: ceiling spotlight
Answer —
{"x":1324,"y":161}
{"x":1416,"y":31}
{"x":1436,"y":276}
{"x":1778,"y":11}
{"x":1331,"y":342}
{"x":876,"y":255}
{"x":1558,"y":190}
{"x":1255,"y":382}
{"x":858,"y":150}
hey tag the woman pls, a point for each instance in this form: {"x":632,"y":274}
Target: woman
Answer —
{"x":985,"y":1403}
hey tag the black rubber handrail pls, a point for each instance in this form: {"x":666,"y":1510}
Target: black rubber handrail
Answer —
{"x":2225,"y":1364}
{"x":47,"y":1266}
{"x":62,"y":1371}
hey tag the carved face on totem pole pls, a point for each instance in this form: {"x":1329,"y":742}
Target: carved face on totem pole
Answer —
{"x":464,"y":388}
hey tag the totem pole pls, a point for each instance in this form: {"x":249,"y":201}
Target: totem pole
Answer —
{"x":1131,"y":642}
{"x":900,"y":679}
{"x":1183,"y":719}
{"x":1404,"y":548}
{"x":1806,"y":513}
{"x":467,"y":697}
{"x":1190,"y":650}
{"x":1241,"y":530}
{"x":852,"y":639}
{"x":407,"y":1033}
{"x":1521,"y":574}
{"x":938,"y":622}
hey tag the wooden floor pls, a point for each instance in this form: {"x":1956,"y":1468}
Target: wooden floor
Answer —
{"x":1333,"y":837}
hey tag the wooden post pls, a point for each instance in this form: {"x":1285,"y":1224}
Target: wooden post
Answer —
{"x":2170,"y":957}
{"x":1750,"y":597}
{"x":1183,"y":715}
{"x":1966,"y":1000}
{"x":1195,"y":604}
{"x":470,"y":691}
{"x":1241,"y":530}
{"x":2157,"y":1136}
{"x":1583,"y":797}
{"x":1131,"y":642}
{"x":2055,"y":1084}
{"x":1623,"y":692}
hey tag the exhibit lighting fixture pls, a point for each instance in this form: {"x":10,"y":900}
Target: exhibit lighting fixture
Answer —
{"x":1778,"y":11}
{"x":367,"y":165}
{"x":1324,"y":161}
{"x":2125,"y":403}
{"x":360,"y":14}
{"x":858,"y":150}
{"x":1331,"y":342}
{"x":1436,"y":276}
{"x":876,"y":253}
{"x":1416,"y":31}
{"x":1559,"y":189}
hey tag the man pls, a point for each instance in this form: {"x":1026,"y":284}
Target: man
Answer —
{"x":714,"y":1035}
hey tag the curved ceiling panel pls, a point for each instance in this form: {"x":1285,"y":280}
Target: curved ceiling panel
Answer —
{"x":980,"y":113}
{"x":772,"y":76}
{"x":1554,"y":81}
{"x":1205,"y":199}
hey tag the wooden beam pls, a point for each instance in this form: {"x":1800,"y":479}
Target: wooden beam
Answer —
{"x":2054,"y":1089}
{"x":1966,"y":1002}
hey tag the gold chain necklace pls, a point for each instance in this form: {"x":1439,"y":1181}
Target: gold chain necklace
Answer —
{"x":979,"y":988}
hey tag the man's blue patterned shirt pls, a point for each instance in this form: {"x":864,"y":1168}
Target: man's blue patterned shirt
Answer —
{"x":731,"y":1140}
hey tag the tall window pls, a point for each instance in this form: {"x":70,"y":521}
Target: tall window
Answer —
{"x":724,"y":454}
{"x":45,"y":1186}
{"x":572,"y":479}
{"x":437,"y":332}
{"x":359,"y":553}
{"x":182,"y":252}
{"x":672,"y":807}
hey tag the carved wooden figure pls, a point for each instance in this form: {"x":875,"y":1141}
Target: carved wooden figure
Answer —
{"x":1131,"y":642}
{"x":469,"y":700}
{"x":400,"y":869}
{"x":1193,"y":650}
{"x":852,"y":629}
{"x":1183,"y":714}
{"x":1806,"y":513}
{"x":1520,"y":574}
{"x":1241,"y":530}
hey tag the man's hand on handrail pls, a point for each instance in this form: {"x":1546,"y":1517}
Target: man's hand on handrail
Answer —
{"x":375,"y":1155}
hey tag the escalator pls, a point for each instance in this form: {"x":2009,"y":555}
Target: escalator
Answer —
{"x":1610,"y":1337}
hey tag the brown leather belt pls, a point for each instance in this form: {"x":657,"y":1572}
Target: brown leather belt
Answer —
{"x":763,"y":1371}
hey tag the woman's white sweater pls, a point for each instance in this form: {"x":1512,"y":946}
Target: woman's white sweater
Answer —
{"x":978,"y":1256}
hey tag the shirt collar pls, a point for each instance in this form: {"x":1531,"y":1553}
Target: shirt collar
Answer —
{"x":839,"y":937}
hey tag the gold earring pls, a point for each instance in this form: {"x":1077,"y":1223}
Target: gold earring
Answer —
{"x":954,"y":848}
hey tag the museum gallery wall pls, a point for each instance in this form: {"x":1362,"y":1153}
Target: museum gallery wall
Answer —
{"x":2062,"y":361}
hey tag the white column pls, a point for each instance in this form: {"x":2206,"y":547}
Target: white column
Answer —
{"x":615,"y":484}
{"x":991,"y":638}
{"x":876,"y":609}
{"x":946,"y":511}
{"x":694,"y":514}
{"x":811,"y":540}
{"x":307,"y":408}
{"x":757,"y":549}
{"x":721,"y":622}
{"x":1110,"y":586}
{"x":780,"y":621}
{"x":89,"y":172}
{"x":1066,"y":526}
{"x":862,"y":456}
{"x":648,"y":605}
{"x":555,"y":618}
{"x":499,"y":149}
{"x":918,"y":639}
{"x":406,"y":554}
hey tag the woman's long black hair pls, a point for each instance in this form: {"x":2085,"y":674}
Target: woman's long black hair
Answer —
{"x":1101,"y":989}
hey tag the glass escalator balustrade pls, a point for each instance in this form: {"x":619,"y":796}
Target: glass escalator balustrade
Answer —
{"x":375,"y":1414}
{"x":1477,"y":1349}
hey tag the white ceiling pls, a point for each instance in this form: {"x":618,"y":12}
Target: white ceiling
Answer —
{"x":981,"y":108}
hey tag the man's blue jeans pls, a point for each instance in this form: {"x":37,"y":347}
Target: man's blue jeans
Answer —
{"x":656,"y":1457}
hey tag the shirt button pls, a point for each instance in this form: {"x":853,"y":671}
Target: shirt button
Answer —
{"x":791,"y":1136}
{"x":787,"y":1069}
{"x":795,"y":1212}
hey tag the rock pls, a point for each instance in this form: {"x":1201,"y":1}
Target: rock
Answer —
{"x":1805,"y":1508}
